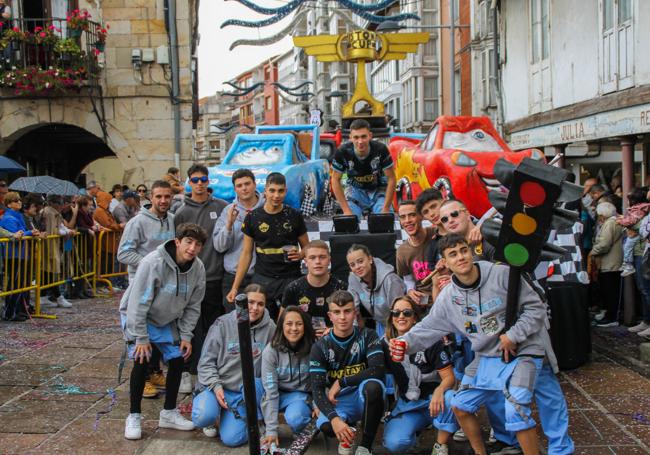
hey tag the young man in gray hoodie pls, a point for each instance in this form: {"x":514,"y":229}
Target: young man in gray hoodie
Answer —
{"x":161,"y":307}
{"x":475,"y":303}
{"x":201,"y":208}
{"x":227,"y":235}
{"x":150,"y":228}
{"x":221,"y":395}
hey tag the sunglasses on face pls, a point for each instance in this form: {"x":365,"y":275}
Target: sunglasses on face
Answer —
{"x":142,"y":191}
{"x":202,"y":179}
{"x":454,"y":214}
{"x":406,"y":313}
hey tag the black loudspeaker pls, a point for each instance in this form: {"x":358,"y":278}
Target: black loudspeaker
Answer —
{"x":570,"y":323}
{"x":381,"y":246}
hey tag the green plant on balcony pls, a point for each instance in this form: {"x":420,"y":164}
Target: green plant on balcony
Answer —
{"x":78,"y":21}
{"x":35,"y":81}
{"x":102,"y":33}
{"x":46,"y":36}
{"x":16,"y":35}
{"x":67,"y":46}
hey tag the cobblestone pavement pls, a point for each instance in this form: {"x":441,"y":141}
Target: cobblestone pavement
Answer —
{"x":59,"y":393}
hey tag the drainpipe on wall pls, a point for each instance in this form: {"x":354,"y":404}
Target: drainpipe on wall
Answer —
{"x":497,"y":71}
{"x":170,"y":7}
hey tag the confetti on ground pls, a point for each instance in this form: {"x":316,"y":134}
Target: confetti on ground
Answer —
{"x":111,"y":405}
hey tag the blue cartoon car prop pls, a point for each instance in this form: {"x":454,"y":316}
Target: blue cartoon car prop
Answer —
{"x":292,"y":150}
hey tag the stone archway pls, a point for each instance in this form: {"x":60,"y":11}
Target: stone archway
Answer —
{"x":61,"y":136}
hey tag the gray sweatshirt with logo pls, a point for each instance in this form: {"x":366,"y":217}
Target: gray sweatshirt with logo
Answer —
{"x":220,"y":364}
{"x":484,"y":308}
{"x":162,"y":293}
{"x":142,"y":235}
{"x":282,"y":371}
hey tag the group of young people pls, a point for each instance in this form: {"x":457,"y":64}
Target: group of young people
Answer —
{"x":416,"y":346}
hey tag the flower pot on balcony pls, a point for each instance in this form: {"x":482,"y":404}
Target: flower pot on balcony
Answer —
{"x":101,"y":47}
{"x":75,"y":32}
{"x":65,"y":57}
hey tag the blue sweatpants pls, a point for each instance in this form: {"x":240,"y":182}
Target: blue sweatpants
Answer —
{"x":232,"y":421}
{"x":553,"y":412}
{"x":297,"y":411}
{"x":350,"y":403}
{"x":514,"y":382}
{"x":410,"y":417}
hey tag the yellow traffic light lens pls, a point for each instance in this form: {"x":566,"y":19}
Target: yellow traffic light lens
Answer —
{"x":516,"y":254}
{"x":523,"y":224}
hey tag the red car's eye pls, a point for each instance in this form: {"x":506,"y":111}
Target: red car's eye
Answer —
{"x":460,"y":159}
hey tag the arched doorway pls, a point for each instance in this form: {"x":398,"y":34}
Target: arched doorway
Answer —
{"x":58,"y":149}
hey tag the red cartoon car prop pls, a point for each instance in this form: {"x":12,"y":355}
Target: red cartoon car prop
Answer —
{"x":456,"y":157}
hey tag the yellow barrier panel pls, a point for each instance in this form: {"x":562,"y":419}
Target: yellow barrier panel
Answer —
{"x":21,"y":264}
{"x":106,"y":265}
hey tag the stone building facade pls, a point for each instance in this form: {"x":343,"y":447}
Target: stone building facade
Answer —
{"x":127,"y":120}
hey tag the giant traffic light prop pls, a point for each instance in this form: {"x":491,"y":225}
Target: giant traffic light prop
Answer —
{"x":529,"y":211}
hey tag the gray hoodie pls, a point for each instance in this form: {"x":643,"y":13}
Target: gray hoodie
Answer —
{"x":204,"y":214}
{"x":387,"y":288}
{"x":220,"y":365}
{"x":142,"y":235}
{"x":123,"y":213}
{"x":485,"y":308}
{"x":282,"y":371}
{"x":231,"y":242}
{"x":161,"y":293}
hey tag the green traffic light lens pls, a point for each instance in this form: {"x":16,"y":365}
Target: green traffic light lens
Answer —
{"x":532,"y":194}
{"x":516,"y":254}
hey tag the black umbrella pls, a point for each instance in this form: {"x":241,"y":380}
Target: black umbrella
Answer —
{"x":9,"y":165}
{"x":45,"y":184}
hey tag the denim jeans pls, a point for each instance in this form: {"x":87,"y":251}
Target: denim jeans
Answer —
{"x":628,"y":249}
{"x":644,"y":289}
{"x":361,"y":201}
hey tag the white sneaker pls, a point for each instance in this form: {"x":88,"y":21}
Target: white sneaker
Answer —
{"x":63,"y":303}
{"x":440,"y":449}
{"x":210,"y":432}
{"x":639,"y":327}
{"x":459,"y":436}
{"x":362,"y":451}
{"x":172,"y":418}
{"x":186,"y":383}
{"x":601,"y":314}
{"x":133,"y":428}
{"x":627,"y":269}
{"x":491,"y":438}
{"x":48,"y":303}
{"x":645,"y":333}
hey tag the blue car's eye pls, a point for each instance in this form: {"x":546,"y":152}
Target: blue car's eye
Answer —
{"x":480,"y":135}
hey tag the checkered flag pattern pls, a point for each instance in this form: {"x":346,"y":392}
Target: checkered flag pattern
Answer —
{"x":570,"y":267}
{"x":328,"y":204}
{"x":307,"y":206}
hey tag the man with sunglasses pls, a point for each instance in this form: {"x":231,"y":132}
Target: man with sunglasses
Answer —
{"x":456,"y":219}
{"x":201,"y":208}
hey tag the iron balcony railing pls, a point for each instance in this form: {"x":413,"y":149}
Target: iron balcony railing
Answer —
{"x":49,"y":50}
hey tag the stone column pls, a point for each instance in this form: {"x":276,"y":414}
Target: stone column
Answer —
{"x":627,"y":158}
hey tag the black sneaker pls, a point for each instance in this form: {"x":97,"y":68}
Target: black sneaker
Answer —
{"x":501,"y":448}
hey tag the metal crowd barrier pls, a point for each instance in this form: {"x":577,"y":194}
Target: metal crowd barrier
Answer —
{"x":106,"y":264}
{"x":35,"y":264}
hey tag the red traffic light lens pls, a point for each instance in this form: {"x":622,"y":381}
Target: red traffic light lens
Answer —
{"x":532,"y":194}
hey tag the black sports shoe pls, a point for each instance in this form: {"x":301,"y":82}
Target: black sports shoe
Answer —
{"x":501,"y":448}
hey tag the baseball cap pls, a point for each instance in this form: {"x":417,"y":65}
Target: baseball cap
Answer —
{"x":91,"y":184}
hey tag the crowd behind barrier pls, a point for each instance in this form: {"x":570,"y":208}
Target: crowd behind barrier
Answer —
{"x":41,"y":263}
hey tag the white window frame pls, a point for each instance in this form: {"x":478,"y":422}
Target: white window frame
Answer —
{"x":616,"y":48}
{"x":540,"y":64}
{"x":435,"y":99}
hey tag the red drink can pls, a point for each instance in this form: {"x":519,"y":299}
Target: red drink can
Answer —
{"x":399,"y":348}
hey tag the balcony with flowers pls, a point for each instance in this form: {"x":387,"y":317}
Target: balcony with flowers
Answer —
{"x":51,"y":56}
